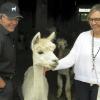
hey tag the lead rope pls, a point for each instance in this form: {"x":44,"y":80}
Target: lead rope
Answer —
{"x":94,"y":57}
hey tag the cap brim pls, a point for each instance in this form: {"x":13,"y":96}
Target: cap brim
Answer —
{"x":16,"y":15}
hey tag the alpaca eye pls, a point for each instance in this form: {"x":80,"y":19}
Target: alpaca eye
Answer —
{"x":40,"y":52}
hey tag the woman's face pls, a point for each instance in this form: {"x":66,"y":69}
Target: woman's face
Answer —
{"x":94,"y":21}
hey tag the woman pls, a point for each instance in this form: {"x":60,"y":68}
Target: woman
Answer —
{"x":85,"y":56}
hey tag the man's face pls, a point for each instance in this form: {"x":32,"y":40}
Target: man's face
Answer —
{"x":9,"y":24}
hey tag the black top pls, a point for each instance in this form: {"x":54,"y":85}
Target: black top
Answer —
{"x":7,"y":52}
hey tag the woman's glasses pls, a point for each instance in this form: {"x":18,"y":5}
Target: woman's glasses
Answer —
{"x":94,"y":19}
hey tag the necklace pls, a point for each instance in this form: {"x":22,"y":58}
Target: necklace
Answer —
{"x":94,"y":56}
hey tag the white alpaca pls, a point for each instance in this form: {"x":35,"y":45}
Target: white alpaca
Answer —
{"x":35,"y":86}
{"x":62,"y":47}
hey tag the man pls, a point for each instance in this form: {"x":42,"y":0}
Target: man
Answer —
{"x":9,"y":18}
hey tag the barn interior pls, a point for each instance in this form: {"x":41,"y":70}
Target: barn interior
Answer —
{"x":46,"y":16}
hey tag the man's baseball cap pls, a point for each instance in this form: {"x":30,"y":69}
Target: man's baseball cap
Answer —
{"x":11,"y":10}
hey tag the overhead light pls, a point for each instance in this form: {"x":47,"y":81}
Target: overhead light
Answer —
{"x":84,"y":9}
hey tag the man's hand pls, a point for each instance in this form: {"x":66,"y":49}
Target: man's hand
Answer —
{"x":2,"y":83}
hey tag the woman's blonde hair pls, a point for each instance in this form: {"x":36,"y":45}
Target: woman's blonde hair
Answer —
{"x":96,"y":7}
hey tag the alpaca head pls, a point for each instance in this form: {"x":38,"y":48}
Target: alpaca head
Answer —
{"x":62,"y":43}
{"x":43,"y":51}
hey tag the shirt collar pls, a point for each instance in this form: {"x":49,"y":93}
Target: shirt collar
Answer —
{"x":3,"y":30}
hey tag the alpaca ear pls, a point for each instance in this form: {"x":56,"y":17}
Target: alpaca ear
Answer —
{"x":35,"y":39}
{"x":52,"y":36}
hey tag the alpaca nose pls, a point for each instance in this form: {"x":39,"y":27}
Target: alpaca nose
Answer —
{"x":55,"y":61}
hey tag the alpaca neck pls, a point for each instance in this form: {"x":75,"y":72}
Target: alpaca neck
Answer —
{"x":61,"y":53}
{"x":39,"y":79}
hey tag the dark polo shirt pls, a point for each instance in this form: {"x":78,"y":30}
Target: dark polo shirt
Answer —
{"x":7,"y":52}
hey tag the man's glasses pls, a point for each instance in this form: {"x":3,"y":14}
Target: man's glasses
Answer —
{"x":94,"y":19}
